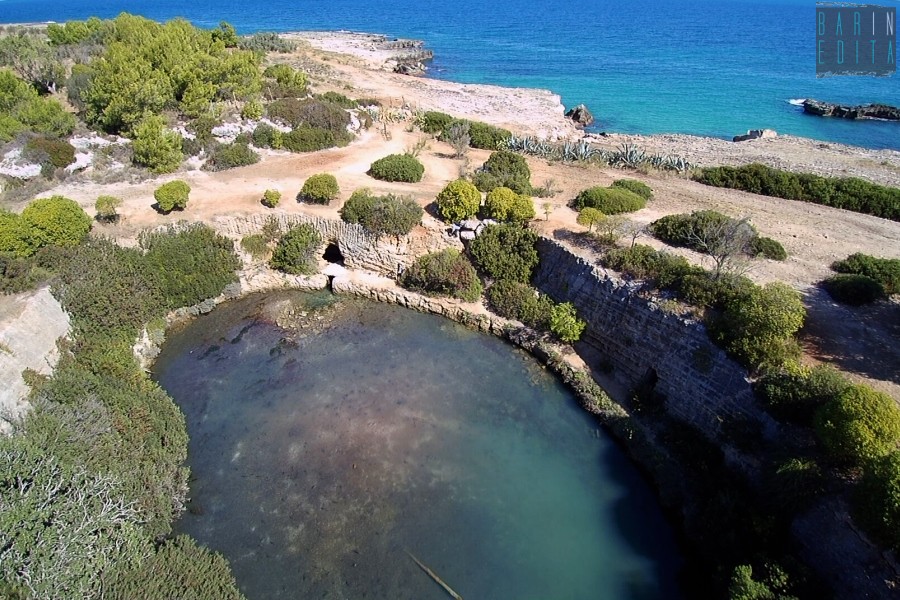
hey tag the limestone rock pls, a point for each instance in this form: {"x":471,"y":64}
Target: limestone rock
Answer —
{"x":581,"y":115}
{"x":864,"y":111}
{"x":755,"y":134}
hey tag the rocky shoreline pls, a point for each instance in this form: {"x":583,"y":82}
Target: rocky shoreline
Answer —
{"x":881,"y":112}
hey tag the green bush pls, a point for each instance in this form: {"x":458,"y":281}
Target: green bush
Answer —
{"x":854,"y":290}
{"x":382,"y":215}
{"x":56,"y":221}
{"x":271,"y":198}
{"x":230,"y":156}
{"x":171,"y":196}
{"x":609,"y":201}
{"x":859,"y":425}
{"x":296,"y":251}
{"x":847,"y":193}
{"x":256,"y":245}
{"x":444,"y":273}
{"x":503,"y":204}
{"x":21,"y":274}
{"x":458,"y":200}
{"x":180,"y":568}
{"x":793,"y":392}
{"x":487,"y":137}
{"x":155,"y":147}
{"x":633,"y":185}
{"x":319,"y":189}
{"x":885,"y":271}
{"x":266,"y":136}
{"x":15,"y":235}
{"x":520,"y":301}
{"x":56,"y":152}
{"x":767,"y":248}
{"x":435,"y":122}
{"x":311,"y":113}
{"x":252,"y":110}
{"x":189,"y":264}
{"x":565,"y":324}
{"x":307,"y":139}
{"x":291,"y":83}
{"x":397,"y":167}
{"x":877,"y":500}
{"x":589,"y":217}
{"x":506,"y":252}
{"x":337,"y":99}
{"x":106,"y":208}
{"x":504,"y":169}
{"x":265,"y":42}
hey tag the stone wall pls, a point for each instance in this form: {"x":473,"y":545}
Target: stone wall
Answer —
{"x":644,"y":344}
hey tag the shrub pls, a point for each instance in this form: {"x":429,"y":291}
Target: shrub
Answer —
{"x":458,"y":200}
{"x":854,"y":290}
{"x":397,"y":167}
{"x":382,"y":215}
{"x":609,"y":201}
{"x":271,"y":198}
{"x":172,"y":195}
{"x":758,"y":324}
{"x":684,"y":229}
{"x":504,"y":169}
{"x":503,"y":204}
{"x":589,"y":217}
{"x":229,"y":156}
{"x":793,"y":393}
{"x":767,"y":248}
{"x":296,"y":251}
{"x":319,"y":189}
{"x":106,"y":208}
{"x":435,"y":122}
{"x":633,"y":185}
{"x":565,"y":324}
{"x":155,"y":147}
{"x":15,"y":235}
{"x":252,"y":110}
{"x":487,"y":137}
{"x":266,"y":136}
{"x":256,"y":245}
{"x":265,"y":42}
{"x":458,"y":137}
{"x":878,"y":499}
{"x":338,"y":99}
{"x":506,"y":252}
{"x":21,"y":274}
{"x":859,"y":425}
{"x":56,"y":152}
{"x":444,"y":273}
{"x":519,"y":301}
{"x":311,"y":113}
{"x":885,"y":271}
{"x":287,"y":77}
{"x":56,"y":221}
{"x":307,"y":139}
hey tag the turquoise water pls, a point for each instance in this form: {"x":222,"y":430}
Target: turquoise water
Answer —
{"x":710,"y":67}
{"x":321,"y":456}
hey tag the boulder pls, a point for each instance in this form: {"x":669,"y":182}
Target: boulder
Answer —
{"x":755,"y":134}
{"x":413,"y":69}
{"x":864,"y":111}
{"x":581,"y":116}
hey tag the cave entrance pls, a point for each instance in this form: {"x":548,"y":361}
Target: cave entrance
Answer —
{"x":333,"y":254}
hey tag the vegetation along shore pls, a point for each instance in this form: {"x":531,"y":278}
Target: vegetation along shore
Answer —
{"x":149,"y":171}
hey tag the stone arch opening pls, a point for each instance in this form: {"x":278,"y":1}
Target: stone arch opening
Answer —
{"x":333,"y":254}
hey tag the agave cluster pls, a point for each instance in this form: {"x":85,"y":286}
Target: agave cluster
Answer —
{"x":627,"y":156}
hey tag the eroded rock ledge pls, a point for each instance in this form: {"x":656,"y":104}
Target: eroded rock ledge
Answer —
{"x":883,"y":112}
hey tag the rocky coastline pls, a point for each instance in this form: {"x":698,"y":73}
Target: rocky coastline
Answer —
{"x":881,"y":112}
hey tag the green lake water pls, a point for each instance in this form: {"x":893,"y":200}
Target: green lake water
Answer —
{"x":322,"y":452}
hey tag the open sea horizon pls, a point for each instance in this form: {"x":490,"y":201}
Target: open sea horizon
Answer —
{"x":702,"y":67}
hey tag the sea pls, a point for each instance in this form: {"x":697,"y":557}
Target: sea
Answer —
{"x":703,"y":67}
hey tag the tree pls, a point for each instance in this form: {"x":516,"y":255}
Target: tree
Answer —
{"x":458,"y":138}
{"x":155,"y":147}
{"x":547,"y":207}
{"x":506,"y":252}
{"x":590,"y":216}
{"x":861,"y":424}
{"x":33,"y":59}
{"x":504,"y":204}
{"x":565,"y":324}
{"x":296,"y":251}
{"x":172,"y":195}
{"x":458,"y":200}
{"x":106,"y":208}
{"x":725,"y":241}
{"x":56,"y":221}
{"x":504,"y":169}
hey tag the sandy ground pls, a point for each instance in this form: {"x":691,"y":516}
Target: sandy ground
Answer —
{"x":861,"y":341}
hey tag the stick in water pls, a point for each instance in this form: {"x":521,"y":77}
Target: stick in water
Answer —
{"x":434,"y":576}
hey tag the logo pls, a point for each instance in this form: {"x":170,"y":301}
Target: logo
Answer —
{"x":855,"y":39}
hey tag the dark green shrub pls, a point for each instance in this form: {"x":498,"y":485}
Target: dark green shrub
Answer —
{"x":506,"y":252}
{"x":859,"y":425}
{"x":444,"y":273}
{"x":435,"y":122}
{"x":565,"y":324}
{"x":854,"y":290}
{"x":180,"y":568}
{"x":458,"y":200}
{"x":191,"y":147}
{"x":382,"y":215}
{"x":311,"y":113}
{"x":503,"y":204}
{"x":307,"y":139}
{"x":56,"y":221}
{"x":504,"y":169}
{"x":609,"y":201}
{"x":256,"y":245}
{"x":487,"y":137}
{"x":767,"y":248}
{"x":296,"y":251}
{"x":230,"y":156}
{"x":885,"y":271}
{"x":319,"y":189}
{"x":271,"y":198}
{"x":793,"y":393}
{"x":202,"y":127}
{"x":265,"y":42}
{"x":877,"y":500}
{"x":794,"y":485}
{"x":252,"y":110}
{"x":266,"y":136}
{"x":21,"y":274}
{"x":56,"y":152}
{"x":397,"y":167}
{"x":172,"y":196}
{"x":633,"y":185}
{"x":337,"y":99}
{"x":520,"y":301}
{"x":155,"y":146}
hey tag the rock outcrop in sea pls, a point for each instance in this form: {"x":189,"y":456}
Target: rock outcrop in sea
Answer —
{"x":755,"y":134}
{"x":864,"y":111}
